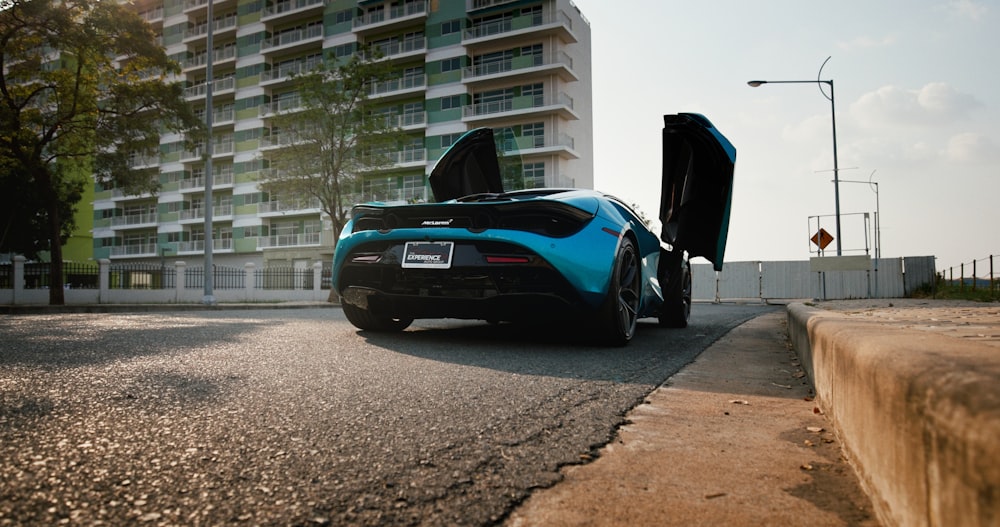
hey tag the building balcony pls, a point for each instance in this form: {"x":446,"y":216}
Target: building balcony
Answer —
{"x":398,"y":87}
{"x":219,"y":212}
{"x":196,"y":7}
{"x":292,"y":40}
{"x":284,"y":72}
{"x":560,"y":104}
{"x":473,"y":5}
{"x":559,"y":63}
{"x":222,"y":115}
{"x":542,"y":145}
{"x":289,"y":240}
{"x":119,"y":195}
{"x":134,"y":250}
{"x":134,"y":221}
{"x":219,"y":149}
{"x":223,"y":86}
{"x":558,"y":24}
{"x":139,"y":162}
{"x":153,"y":15}
{"x":198,"y":246}
{"x":399,"y":49}
{"x":219,"y":56}
{"x":393,"y":18}
{"x":222,"y":178}
{"x":291,"y":9}
{"x":219,"y":26}
{"x":288,"y":105}
{"x":405,"y":121}
{"x":279,"y":208}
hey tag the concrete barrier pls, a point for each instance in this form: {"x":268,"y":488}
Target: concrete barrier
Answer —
{"x":918,"y":414}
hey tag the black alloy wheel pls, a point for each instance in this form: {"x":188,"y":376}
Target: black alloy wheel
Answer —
{"x":620,"y":313}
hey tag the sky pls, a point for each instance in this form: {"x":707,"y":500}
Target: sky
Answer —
{"x":917,"y":96}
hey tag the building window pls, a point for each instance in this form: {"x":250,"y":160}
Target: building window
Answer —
{"x":451,"y":26}
{"x":535,"y":132}
{"x":343,"y":50}
{"x":535,"y":13}
{"x":455,"y":101}
{"x":449,"y":139}
{"x":535,"y":52}
{"x":413,"y":151}
{"x":536,"y":92}
{"x":342,"y":17}
{"x":413,"y":188}
{"x":534,"y":175}
{"x":452,"y":64}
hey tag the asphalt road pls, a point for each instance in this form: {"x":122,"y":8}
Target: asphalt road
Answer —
{"x":292,"y":417}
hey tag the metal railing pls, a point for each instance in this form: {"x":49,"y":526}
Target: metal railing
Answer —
{"x":141,"y":276}
{"x":23,"y":282}
{"x":378,"y":17}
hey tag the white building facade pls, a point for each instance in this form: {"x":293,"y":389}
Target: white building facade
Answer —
{"x":521,"y":67}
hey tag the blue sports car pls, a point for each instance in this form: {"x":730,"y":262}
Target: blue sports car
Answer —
{"x":479,"y":252}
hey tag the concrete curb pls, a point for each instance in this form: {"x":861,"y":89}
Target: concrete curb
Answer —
{"x":918,"y":415}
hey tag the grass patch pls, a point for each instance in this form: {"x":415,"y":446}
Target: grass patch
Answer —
{"x":955,"y":290}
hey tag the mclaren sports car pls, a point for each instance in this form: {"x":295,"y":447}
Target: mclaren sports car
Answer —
{"x":480,"y":252}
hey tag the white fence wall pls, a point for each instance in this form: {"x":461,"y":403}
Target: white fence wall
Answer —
{"x":888,"y":278}
{"x":763,"y":281}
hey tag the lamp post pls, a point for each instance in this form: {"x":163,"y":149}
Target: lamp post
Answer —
{"x":833,"y":121}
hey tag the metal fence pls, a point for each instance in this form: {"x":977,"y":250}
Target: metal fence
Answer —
{"x":77,"y":275}
{"x":975,"y":275}
{"x":141,"y":276}
{"x":223,"y":277}
{"x":284,"y":278}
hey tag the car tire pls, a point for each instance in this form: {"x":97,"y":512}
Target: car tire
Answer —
{"x":365,"y":320}
{"x":676,"y":308}
{"x":620,"y":313}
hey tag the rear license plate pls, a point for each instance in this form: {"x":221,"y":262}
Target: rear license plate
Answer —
{"x":428,"y":255}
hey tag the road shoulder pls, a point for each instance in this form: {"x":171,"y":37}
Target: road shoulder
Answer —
{"x":734,"y":438}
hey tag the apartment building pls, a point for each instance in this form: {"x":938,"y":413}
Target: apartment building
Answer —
{"x":522,"y":66}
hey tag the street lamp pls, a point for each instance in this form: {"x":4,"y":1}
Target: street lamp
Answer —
{"x":833,"y":120}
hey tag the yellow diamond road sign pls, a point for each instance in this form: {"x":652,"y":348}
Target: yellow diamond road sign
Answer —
{"x":822,"y":238}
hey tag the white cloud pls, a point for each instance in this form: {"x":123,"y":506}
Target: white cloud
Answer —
{"x":968,"y":9}
{"x":934,"y":104}
{"x":971,"y":148}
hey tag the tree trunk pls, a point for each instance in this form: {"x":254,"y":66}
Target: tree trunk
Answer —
{"x":57,"y":296}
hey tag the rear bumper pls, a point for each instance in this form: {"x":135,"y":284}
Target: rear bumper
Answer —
{"x":522,"y":306}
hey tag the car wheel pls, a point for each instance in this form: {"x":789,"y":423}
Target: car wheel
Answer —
{"x":676,"y":308}
{"x":364,"y":319}
{"x":620,"y":312}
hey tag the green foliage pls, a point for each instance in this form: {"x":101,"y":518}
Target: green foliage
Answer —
{"x":335,"y":140}
{"x":83,"y":88}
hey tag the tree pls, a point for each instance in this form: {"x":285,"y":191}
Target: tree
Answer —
{"x":83,"y":89}
{"x":336,"y":138}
